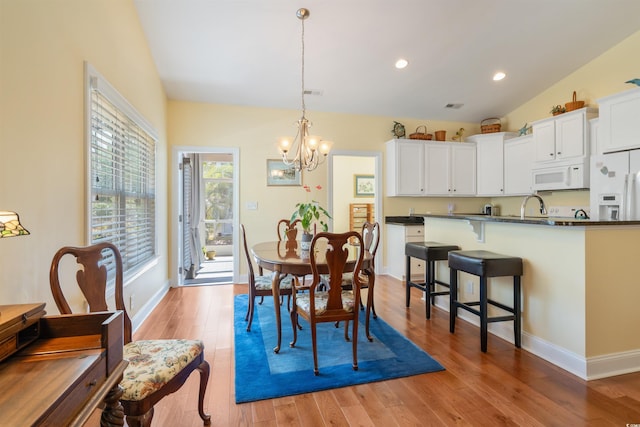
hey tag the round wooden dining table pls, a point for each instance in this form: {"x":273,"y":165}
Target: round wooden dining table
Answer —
{"x":285,"y":257}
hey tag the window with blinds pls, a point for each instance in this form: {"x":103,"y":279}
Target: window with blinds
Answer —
{"x":122,"y":206}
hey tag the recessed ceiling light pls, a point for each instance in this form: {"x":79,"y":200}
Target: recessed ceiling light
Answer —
{"x":401,"y":63}
{"x":499,"y":76}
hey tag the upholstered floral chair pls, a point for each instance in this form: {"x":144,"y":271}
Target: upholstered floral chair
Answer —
{"x":156,"y":367}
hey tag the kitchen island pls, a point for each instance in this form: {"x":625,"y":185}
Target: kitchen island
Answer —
{"x":581,"y":285}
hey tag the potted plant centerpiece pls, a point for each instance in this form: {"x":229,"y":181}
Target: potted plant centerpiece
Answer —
{"x":310,"y":213}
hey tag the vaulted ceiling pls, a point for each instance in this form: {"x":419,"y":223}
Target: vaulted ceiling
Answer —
{"x":248,"y":52}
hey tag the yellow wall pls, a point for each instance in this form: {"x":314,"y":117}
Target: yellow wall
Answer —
{"x":42,"y":48}
{"x":344,"y":168}
{"x":612,"y":291}
{"x":255,"y":132}
{"x":603,"y":76}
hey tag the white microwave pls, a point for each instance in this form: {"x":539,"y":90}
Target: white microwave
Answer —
{"x":567,"y":177}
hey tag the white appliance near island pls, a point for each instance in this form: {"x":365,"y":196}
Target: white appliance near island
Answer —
{"x":615,"y":186}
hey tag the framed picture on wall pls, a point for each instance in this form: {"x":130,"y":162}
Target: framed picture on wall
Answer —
{"x":364,"y":185}
{"x":280,"y":174}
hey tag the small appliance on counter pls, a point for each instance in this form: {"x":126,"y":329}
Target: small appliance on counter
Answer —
{"x":491,"y":210}
{"x":615,"y":186}
{"x":575,"y":212}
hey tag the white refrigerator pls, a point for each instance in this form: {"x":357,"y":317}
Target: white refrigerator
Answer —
{"x":615,"y":186}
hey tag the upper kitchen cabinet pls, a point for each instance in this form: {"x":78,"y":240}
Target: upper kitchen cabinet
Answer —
{"x":619,"y":124}
{"x":405,"y":167}
{"x":490,"y":162}
{"x":563,"y":137}
{"x":419,"y":168}
{"x":450,"y":169}
{"x":518,"y":162}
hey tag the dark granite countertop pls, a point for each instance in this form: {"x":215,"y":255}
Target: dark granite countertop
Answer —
{"x":404,"y":220}
{"x":570,"y":222}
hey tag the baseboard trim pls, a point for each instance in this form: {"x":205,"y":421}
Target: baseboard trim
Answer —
{"x":591,"y":368}
{"x":613,"y":364}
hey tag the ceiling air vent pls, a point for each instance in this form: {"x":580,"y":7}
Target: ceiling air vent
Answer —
{"x":454,"y":106}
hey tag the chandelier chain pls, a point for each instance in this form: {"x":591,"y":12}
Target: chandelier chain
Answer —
{"x":308,"y":151}
{"x":304,"y":109}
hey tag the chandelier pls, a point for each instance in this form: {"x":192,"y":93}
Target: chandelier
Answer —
{"x":308,"y":150}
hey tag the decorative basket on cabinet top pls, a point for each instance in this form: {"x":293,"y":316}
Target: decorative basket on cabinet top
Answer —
{"x":490,"y":127}
{"x":420,"y":133}
{"x":574,"y":105}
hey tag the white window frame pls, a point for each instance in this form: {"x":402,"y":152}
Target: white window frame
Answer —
{"x":133,"y":263}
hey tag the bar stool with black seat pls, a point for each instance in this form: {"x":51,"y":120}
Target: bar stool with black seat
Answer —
{"x":485,"y":264}
{"x":429,"y":252}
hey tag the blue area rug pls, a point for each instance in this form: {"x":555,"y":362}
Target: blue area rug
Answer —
{"x":263,"y":374}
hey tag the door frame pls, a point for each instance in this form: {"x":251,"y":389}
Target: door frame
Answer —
{"x":377,"y":199}
{"x":176,"y":207}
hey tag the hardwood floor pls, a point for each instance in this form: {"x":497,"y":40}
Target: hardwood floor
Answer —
{"x":505,"y":386}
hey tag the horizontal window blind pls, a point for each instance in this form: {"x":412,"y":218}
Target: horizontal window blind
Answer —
{"x":122,"y":173}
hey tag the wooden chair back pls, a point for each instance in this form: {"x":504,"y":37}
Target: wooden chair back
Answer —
{"x":251,"y":275}
{"x":92,"y":278}
{"x":288,"y":230}
{"x":336,"y":255}
{"x":371,"y":240}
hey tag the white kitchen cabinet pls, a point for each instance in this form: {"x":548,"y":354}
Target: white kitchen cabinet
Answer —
{"x":518,"y":162}
{"x":397,"y":237}
{"x":594,"y":129}
{"x":419,"y":168}
{"x":490,"y":162}
{"x":563,"y":137}
{"x":450,"y":169}
{"x":545,"y":140}
{"x":634,"y":161}
{"x":405,"y":167}
{"x":620,"y":121}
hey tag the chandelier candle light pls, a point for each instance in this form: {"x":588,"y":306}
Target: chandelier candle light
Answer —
{"x":309,"y":150}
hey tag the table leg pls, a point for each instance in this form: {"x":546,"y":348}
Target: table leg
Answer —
{"x":275,"y":290}
{"x":113,"y":413}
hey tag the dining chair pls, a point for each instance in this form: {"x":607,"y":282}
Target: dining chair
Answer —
{"x":288,"y":230}
{"x":261,"y":285}
{"x":371,"y":239}
{"x":156,"y":367}
{"x":334,"y":304}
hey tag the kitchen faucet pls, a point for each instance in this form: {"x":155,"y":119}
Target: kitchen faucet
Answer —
{"x":543,"y":209}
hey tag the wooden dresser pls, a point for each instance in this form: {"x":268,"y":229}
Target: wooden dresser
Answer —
{"x":63,"y":367}
{"x":359,"y":213}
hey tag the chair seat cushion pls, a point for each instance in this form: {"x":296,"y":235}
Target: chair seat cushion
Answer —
{"x":347,"y":280}
{"x":263,"y":283}
{"x":303,"y":301}
{"x":153,"y":363}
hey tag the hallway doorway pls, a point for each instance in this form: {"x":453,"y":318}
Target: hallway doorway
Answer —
{"x":344,"y":167}
{"x":206,"y":216}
